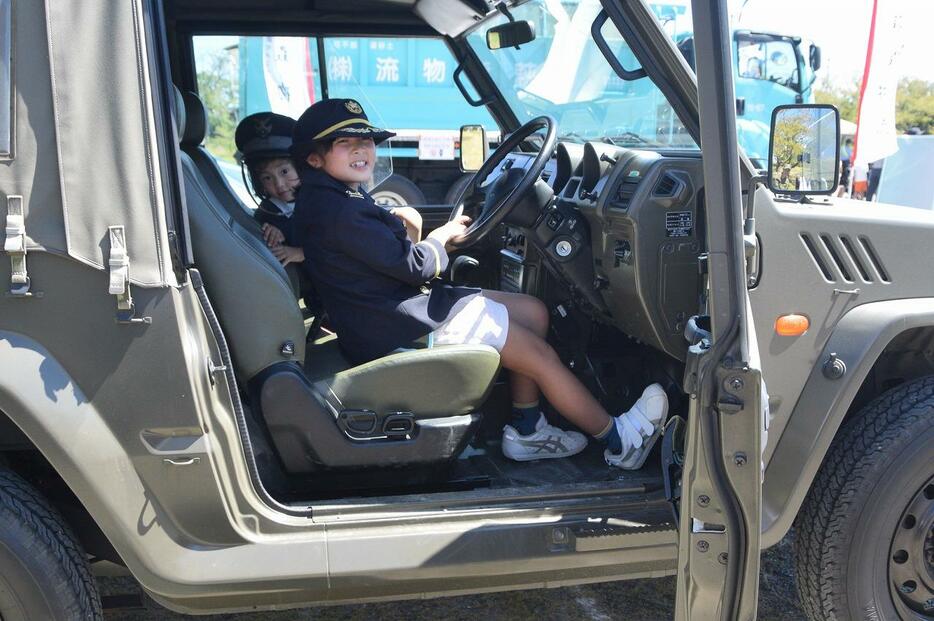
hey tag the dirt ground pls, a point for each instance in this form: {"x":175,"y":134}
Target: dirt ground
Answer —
{"x":635,"y":600}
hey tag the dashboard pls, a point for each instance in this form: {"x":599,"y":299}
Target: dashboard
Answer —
{"x":624,"y":231}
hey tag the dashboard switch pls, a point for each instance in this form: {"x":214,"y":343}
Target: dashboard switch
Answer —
{"x":563,"y":248}
{"x":554,"y":221}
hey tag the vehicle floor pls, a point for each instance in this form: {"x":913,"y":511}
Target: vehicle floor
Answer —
{"x":482,"y":472}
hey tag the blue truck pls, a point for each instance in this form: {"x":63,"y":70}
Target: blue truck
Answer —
{"x":406,"y":84}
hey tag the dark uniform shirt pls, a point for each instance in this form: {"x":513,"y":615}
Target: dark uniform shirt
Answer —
{"x":367,"y":271}
{"x":269,"y":213}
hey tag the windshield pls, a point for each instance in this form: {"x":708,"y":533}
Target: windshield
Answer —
{"x":563,"y":74}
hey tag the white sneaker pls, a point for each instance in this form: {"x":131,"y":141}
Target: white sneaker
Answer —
{"x":640,"y":428}
{"x":546,"y":442}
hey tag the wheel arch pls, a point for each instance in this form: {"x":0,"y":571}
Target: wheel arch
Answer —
{"x":882,"y":345}
{"x":52,"y":425}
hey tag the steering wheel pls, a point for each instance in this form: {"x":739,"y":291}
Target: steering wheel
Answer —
{"x":492,"y":202}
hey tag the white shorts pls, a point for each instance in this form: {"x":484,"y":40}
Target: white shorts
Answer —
{"x":482,"y":321}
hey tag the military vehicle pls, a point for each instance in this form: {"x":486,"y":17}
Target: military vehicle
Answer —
{"x":167,"y":405}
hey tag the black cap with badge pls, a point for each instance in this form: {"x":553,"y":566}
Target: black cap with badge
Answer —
{"x":264,"y":135}
{"x":333,"y":118}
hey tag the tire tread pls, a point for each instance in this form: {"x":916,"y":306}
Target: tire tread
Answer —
{"x":827,"y":516}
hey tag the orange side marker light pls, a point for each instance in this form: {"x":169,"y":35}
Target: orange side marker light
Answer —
{"x":791,"y":325}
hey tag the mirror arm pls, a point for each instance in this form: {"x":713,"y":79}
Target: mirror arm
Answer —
{"x":754,"y":182}
{"x":502,"y":8}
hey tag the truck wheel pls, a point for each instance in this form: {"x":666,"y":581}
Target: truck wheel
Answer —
{"x":397,"y":191}
{"x":864,"y":542}
{"x":43,"y":570}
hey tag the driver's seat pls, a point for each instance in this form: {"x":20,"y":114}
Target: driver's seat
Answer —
{"x":410,"y":408}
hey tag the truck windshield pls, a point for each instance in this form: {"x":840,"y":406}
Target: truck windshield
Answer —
{"x":563,"y":74}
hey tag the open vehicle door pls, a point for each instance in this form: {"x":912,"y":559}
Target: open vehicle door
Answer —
{"x":718,"y":555}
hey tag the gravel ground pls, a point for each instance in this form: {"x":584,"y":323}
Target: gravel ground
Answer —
{"x":634,"y":600}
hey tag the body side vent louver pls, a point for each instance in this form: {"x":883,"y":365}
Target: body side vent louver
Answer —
{"x":840,"y":258}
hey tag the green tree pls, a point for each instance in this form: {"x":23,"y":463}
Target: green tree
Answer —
{"x":914,"y":105}
{"x":914,"y":102}
{"x":217,"y":87}
{"x":845,"y":98}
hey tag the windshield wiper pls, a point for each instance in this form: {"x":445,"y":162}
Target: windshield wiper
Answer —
{"x":631,"y":138}
{"x":572,"y":136}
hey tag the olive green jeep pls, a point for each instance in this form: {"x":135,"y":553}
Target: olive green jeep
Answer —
{"x":166,"y":404}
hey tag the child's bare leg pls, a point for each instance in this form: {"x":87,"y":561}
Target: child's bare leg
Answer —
{"x":530,"y":313}
{"x":529,"y":356}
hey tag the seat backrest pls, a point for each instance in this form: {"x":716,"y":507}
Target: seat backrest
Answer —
{"x":253,"y":296}
{"x":196,"y":129}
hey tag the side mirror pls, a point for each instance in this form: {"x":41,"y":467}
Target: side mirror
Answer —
{"x":804,"y":149}
{"x":474,"y":148}
{"x":510,"y":34}
{"x":814,"y":57}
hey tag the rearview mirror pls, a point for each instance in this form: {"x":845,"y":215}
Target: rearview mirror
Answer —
{"x":474,"y":148}
{"x":510,"y":34}
{"x":804,"y":149}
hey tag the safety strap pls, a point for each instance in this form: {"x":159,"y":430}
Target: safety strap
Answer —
{"x":14,"y":244}
{"x":119,"y":264}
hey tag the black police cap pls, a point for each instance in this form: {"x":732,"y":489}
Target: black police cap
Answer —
{"x":264,"y":134}
{"x":333,"y":118}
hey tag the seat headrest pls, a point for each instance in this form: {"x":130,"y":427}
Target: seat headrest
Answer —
{"x":196,"y":120}
{"x":179,"y":112}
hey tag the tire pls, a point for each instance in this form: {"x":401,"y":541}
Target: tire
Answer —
{"x":44,"y":573}
{"x":864,"y":540}
{"x":456,"y":188}
{"x":397,"y":191}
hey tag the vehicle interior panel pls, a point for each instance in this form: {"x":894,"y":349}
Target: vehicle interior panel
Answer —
{"x":607,"y":236}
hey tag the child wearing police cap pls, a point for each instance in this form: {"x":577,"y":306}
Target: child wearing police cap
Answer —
{"x":263,"y":140}
{"x":382,"y":291}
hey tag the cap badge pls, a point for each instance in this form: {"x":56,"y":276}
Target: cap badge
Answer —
{"x":353,"y":107}
{"x":263,"y":127}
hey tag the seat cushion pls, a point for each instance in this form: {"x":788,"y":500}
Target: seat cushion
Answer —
{"x":448,"y":380}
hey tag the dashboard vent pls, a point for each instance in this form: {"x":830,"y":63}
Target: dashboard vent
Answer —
{"x":666,"y":186}
{"x":625,"y":191}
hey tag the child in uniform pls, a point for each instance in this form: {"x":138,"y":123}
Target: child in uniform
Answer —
{"x":263,"y":140}
{"x":381,"y":292}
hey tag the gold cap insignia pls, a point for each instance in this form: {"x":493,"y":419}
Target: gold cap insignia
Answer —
{"x":353,"y":107}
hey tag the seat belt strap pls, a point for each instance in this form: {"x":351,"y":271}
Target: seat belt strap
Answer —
{"x":14,"y":244}
{"x":119,"y":265}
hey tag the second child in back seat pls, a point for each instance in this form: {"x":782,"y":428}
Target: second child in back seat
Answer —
{"x":381,"y":292}
{"x":263,"y":140}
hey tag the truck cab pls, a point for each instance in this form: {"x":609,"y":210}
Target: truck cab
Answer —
{"x":167,"y":404}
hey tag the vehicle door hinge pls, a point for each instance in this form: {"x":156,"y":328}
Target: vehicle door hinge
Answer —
{"x":119,"y":264}
{"x":14,"y":244}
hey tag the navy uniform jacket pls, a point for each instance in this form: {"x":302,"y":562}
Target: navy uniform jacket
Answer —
{"x":367,"y":271}
{"x":269,"y":213}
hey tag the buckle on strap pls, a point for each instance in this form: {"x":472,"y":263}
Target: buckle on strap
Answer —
{"x":14,"y":244}
{"x":119,"y":285}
